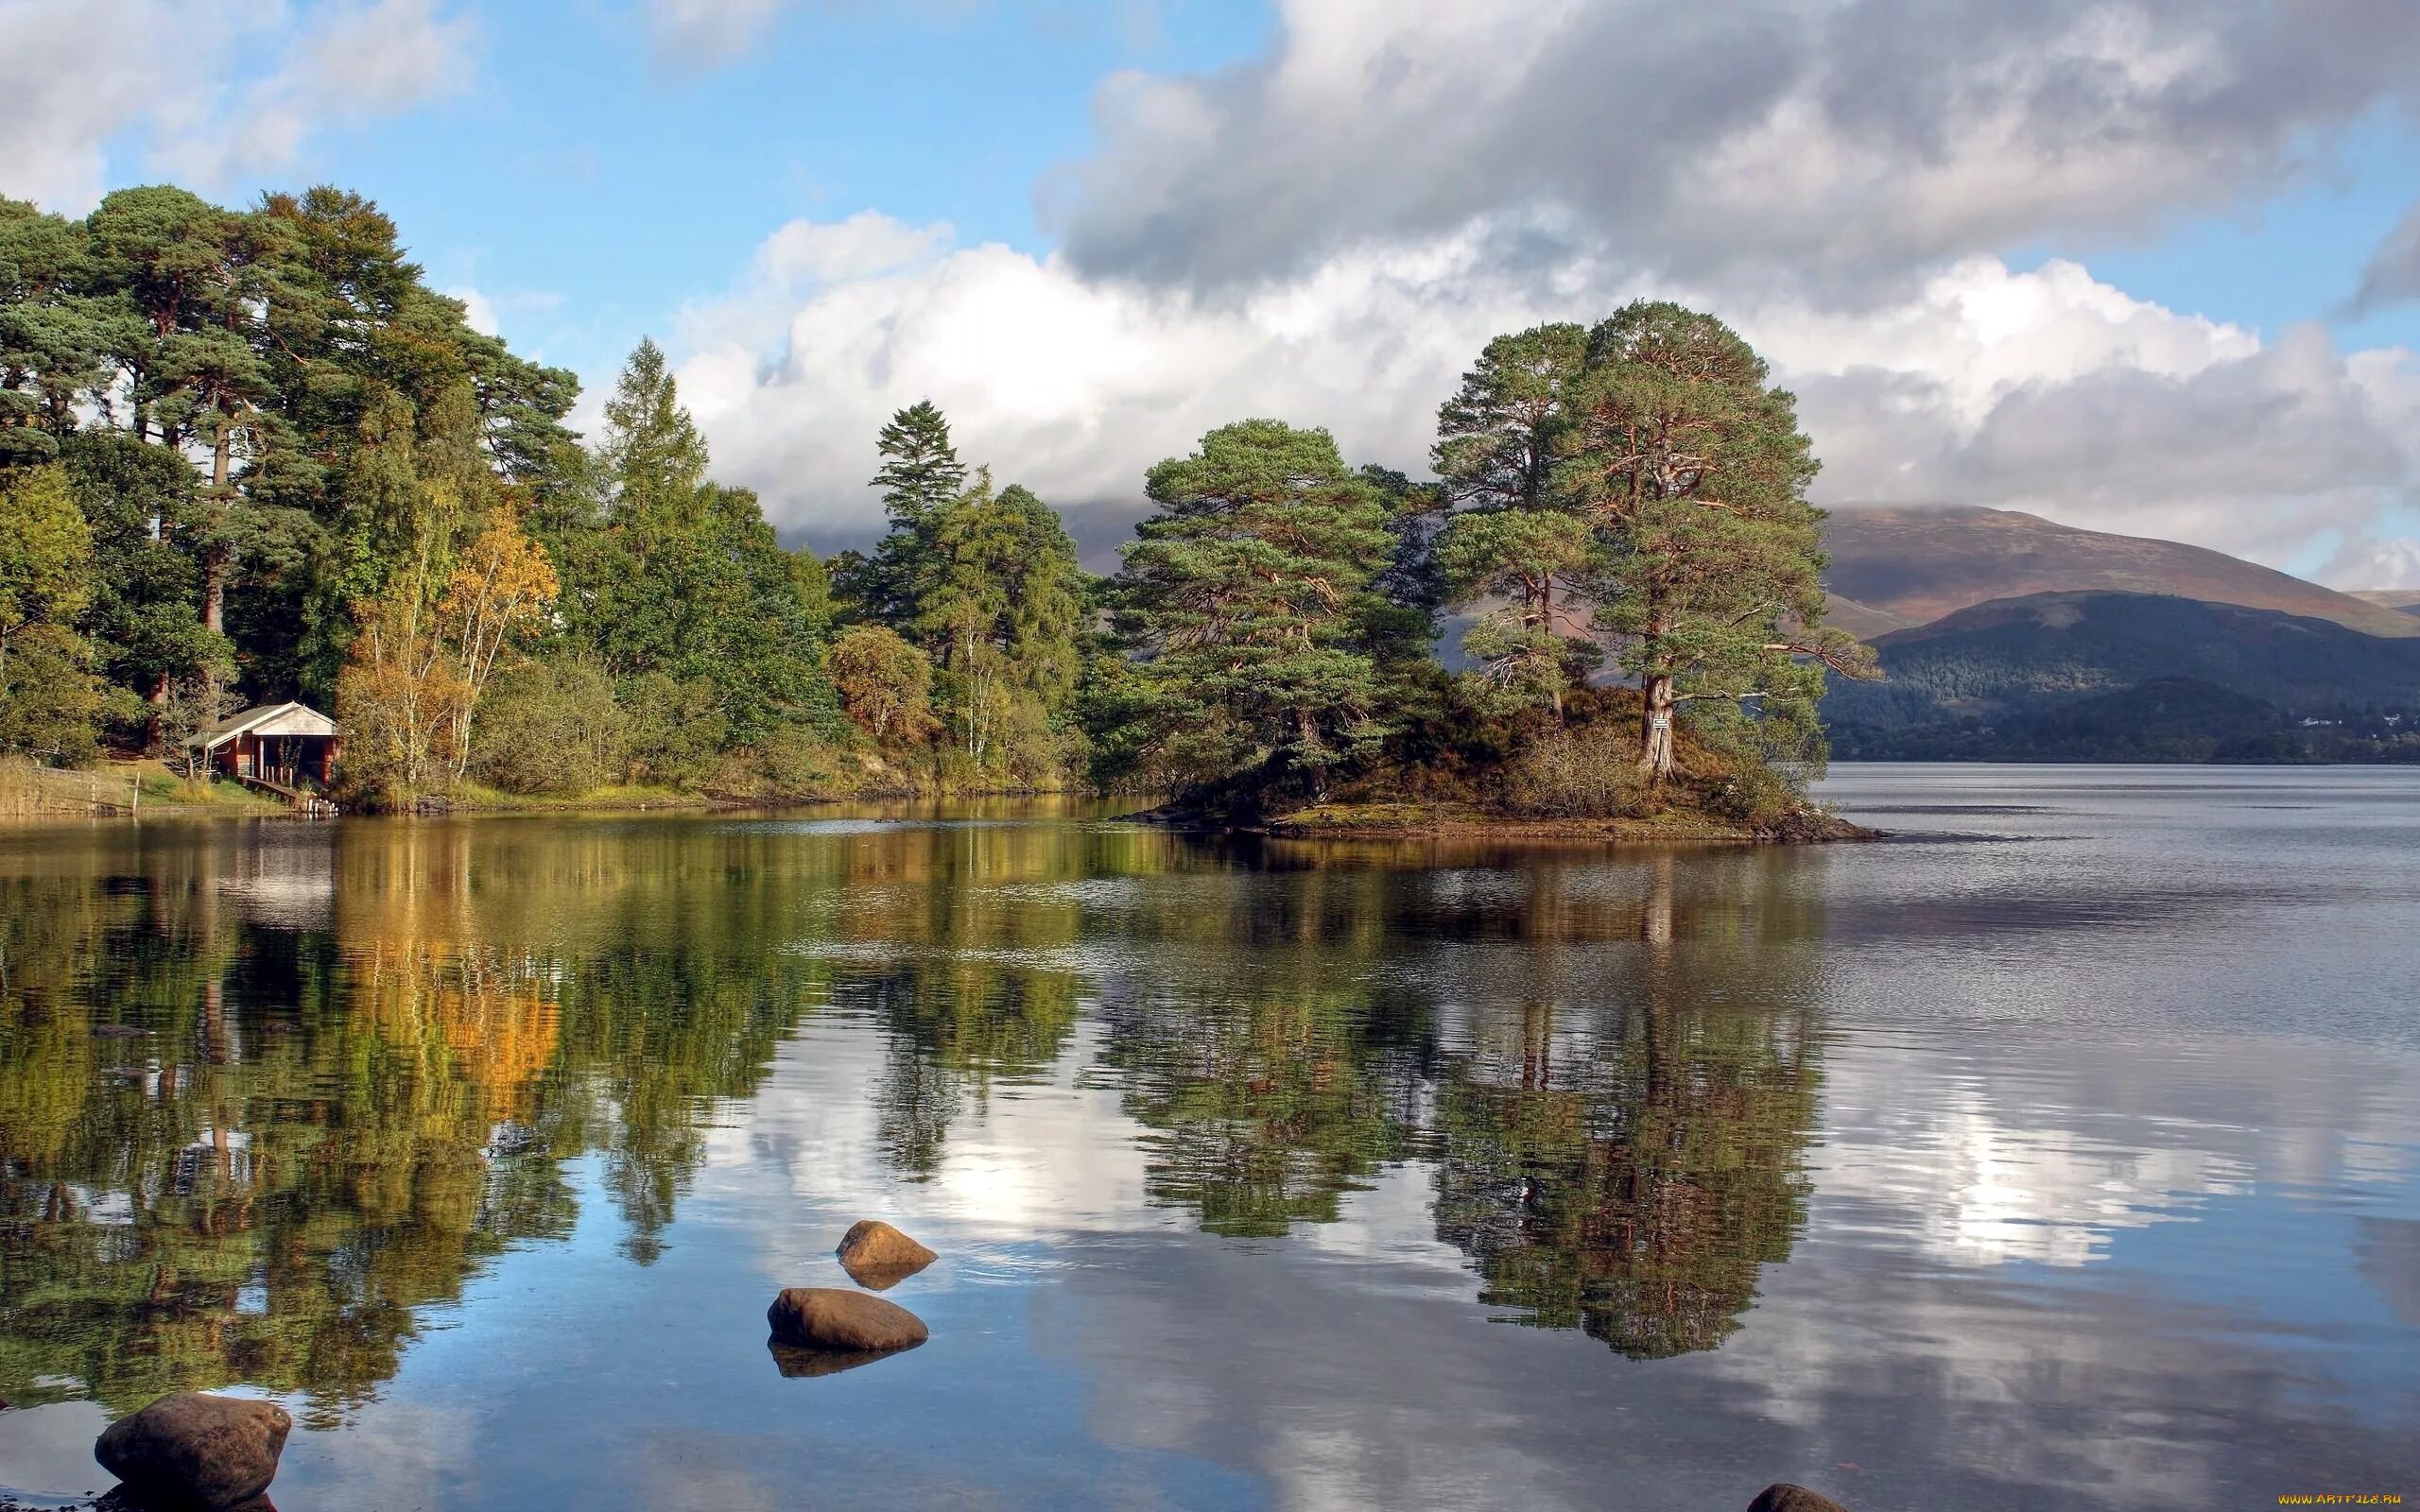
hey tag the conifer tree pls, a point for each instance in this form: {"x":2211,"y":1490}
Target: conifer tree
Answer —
{"x":921,"y":474}
{"x":1693,"y":473}
{"x":1245,"y":597}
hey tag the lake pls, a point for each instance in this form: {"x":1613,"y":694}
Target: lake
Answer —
{"x":2063,"y":1152}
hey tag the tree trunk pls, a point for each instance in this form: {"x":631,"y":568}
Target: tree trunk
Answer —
{"x":214,"y":589}
{"x":214,"y":583}
{"x":1655,"y":744}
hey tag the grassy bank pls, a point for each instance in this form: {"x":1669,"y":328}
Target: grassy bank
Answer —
{"x":120,"y":788}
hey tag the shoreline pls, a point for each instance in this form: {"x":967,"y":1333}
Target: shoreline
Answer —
{"x":1421,"y":821}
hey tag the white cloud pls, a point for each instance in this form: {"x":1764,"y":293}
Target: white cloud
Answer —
{"x":478,"y":310}
{"x":2044,"y":391}
{"x":187,"y":85}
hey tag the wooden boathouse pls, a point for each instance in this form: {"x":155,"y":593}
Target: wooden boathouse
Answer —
{"x":281,"y":747}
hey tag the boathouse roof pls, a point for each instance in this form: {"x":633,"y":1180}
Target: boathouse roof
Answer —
{"x":266,"y":719}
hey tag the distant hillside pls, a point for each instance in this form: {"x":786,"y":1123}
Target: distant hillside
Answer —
{"x":1862,"y":620}
{"x":2401,"y":600}
{"x":2132,"y":677}
{"x":1921,"y":564}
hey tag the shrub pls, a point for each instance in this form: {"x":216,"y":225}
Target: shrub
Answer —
{"x":550,"y":727}
{"x":1574,"y":773}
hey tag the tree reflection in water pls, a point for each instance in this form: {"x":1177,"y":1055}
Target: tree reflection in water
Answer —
{"x":266,"y":1096}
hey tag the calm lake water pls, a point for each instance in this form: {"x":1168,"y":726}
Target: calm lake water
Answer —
{"x":2064,"y":1154}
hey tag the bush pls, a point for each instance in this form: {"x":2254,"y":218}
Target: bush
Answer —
{"x":788,"y":764}
{"x":675,"y":730}
{"x":1567,"y":773}
{"x":550,"y":727}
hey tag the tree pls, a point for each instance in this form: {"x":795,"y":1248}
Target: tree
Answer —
{"x":684,"y":579}
{"x":501,"y":588}
{"x":1517,"y":543}
{"x":921,"y":474}
{"x":997,"y":609}
{"x":921,"y":480}
{"x":145,"y":621}
{"x":48,"y":700}
{"x":52,"y":335}
{"x":1693,"y":474}
{"x":885,"y":684}
{"x":652,"y":455}
{"x":1244,"y":600}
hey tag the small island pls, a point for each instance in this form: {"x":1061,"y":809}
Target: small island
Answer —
{"x":1620,"y":529}
{"x":1599,"y":613}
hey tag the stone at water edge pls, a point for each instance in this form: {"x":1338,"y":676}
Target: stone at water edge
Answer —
{"x":1782,"y":1497}
{"x":827,"y":1318}
{"x":198,"y":1450}
{"x":873,"y":1247}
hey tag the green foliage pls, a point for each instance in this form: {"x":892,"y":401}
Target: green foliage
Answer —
{"x":49,"y":700}
{"x":551,"y":726}
{"x":280,"y":444}
{"x":921,"y":474}
{"x":1246,"y":598}
{"x":1693,"y":475}
{"x":674,"y":581}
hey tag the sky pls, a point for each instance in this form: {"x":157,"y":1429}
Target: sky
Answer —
{"x":2147,"y":266}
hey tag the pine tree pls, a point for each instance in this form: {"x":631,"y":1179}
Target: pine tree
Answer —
{"x":921,"y":474}
{"x":1517,"y":545}
{"x":1693,"y":475}
{"x":1245,"y":599}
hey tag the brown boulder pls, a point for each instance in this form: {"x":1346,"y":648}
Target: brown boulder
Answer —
{"x":189,"y":1449}
{"x":1782,"y":1497}
{"x":827,"y":1318}
{"x":874,"y":1254}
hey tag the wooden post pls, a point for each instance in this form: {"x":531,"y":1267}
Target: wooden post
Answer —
{"x":135,"y":807}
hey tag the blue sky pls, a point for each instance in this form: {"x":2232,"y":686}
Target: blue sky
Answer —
{"x":2089,"y":258}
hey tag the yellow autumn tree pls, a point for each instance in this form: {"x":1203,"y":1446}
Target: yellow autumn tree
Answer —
{"x":424,"y":652}
{"x":502,"y":588}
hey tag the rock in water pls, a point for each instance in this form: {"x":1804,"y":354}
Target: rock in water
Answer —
{"x":187,"y":1448}
{"x":874,"y":1254}
{"x":827,"y":1318}
{"x":1782,"y":1497}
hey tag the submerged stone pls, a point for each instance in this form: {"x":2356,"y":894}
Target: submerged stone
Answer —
{"x":874,"y":1254}
{"x":827,"y":1318}
{"x":1782,"y":1497}
{"x":196,"y":1451}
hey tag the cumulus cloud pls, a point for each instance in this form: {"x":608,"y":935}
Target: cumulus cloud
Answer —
{"x":1840,"y":143}
{"x":2042,"y":389}
{"x":187,"y":84}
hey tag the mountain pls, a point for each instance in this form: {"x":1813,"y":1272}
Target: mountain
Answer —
{"x":2132,"y":677}
{"x":1864,"y":621}
{"x":2401,"y":600}
{"x":1918,"y":564}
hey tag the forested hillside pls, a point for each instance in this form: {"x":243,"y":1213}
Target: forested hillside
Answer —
{"x":2130,"y":677}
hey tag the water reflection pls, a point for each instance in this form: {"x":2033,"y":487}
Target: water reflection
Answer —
{"x":483,"y":1143}
{"x":264,"y":1097}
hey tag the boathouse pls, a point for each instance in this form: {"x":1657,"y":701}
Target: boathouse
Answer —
{"x":278,"y":744}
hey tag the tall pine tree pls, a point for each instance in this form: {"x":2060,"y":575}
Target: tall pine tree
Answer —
{"x":1246,"y":600}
